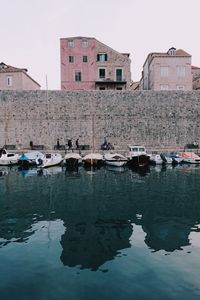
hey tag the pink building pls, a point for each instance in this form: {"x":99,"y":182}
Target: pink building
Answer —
{"x":167,"y":71}
{"x":12,"y":78}
{"x":87,"y":64}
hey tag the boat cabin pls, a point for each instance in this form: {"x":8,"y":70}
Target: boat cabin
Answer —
{"x":137,"y":150}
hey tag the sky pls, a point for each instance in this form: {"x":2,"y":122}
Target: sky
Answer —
{"x":30,"y":31}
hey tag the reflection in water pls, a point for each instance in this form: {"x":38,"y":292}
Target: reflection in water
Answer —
{"x":142,"y":171}
{"x":167,"y":234}
{"x":99,"y":212}
{"x":116,"y":169}
{"x":90,"y":245}
{"x":26,"y":172}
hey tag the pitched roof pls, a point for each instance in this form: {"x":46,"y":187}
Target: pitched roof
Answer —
{"x":178,"y":53}
{"x":181,"y":52}
{"x":10,"y":69}
{"x":195,"y":67}
{"x":7,"y":68}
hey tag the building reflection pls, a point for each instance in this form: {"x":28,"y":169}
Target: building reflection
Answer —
{"x":90,"y":245}
{"x":167,"y":234}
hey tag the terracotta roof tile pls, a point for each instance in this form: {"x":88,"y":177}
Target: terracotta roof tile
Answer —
{"x":9,"y":69}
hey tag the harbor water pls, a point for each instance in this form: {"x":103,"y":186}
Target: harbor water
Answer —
{"x":111,"y":233}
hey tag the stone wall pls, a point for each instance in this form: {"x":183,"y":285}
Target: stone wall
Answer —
{"x":155,"y":119}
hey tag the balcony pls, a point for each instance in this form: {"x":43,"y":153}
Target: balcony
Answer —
{"x":110,"y":81}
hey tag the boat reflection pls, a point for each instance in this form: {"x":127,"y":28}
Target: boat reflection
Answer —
{"x":116,"y":169}
{"x":142,"y":171}
{"x":51,"y":171}
{"x":72,"y":172}
{"x":26,"y":172}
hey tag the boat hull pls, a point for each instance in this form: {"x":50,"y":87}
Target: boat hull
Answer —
{"x":115,"y":163}
{"x":139,"y":161}
{"x":72,"y":162}
{"x":8,"y":162}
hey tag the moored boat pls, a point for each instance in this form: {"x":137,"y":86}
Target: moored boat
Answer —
{"x":115,"y":159}
{"x":49,"y":160}
{"x":138,"y":156}
{"x":190,"y":158}
{"x":30,"y":158}
{"x":176,"y":158}
{"x":167,"y":159}
{"x":72,"y":159}
{"x":93,"y":159}
{"x":155,"y":159}
{"x":7,"y":158}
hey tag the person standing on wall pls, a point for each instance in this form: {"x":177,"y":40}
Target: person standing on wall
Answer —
{"x":69,"y":144}
{"x":77,"y":144}
{"x":58,"y":144}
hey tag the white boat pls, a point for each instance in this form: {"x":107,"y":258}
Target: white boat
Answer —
{"x":72,"y":159}
{"x":176,"y":158}
{"x":138,"y":156}
{"x":190,"y":158}
{"x":50,"y":160}
{"x":93,"y":159}
{"x":7,"y":158}
{"x":29,"y":158}
{"x":156,"y":159}
{"x":167,"y":159}
{"x":115,"y":159}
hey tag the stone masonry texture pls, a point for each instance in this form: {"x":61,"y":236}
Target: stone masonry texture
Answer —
{"x":152,"y":118}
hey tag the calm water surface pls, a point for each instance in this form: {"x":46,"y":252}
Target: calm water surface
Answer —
{"x":108,"y":234}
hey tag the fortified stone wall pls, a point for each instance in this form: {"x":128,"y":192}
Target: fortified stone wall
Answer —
{"x":155,"y":119}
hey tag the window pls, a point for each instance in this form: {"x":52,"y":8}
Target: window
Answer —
{"x":118,"y":74}
{"x":84,"y":43}
{"x":180,"y":71}
{"x":85,"y":58}
{"x":102,"y":88}
{"x":77,"y":76}
{"x":102,"y":57}
{"x":71,"y":59}
{"x":164,"y":71}
{"x":9,"y":80}
{"x":102,"y":73}
{"x":180,"y":87}
{"x":164,"y":87}
{"x":119,"y":88}
{"x":70,"y":43}
{"x":172,"y":51}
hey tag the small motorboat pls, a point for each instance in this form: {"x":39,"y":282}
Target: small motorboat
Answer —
{"x":72,"y":159}
{"x":93,"y":159}
{"x":167,"y":159}
{"x":176,"y":158}
{"x":49,"y":160}
{"x":30,"y":158}
{"x":190,"y":158}
{"x":115,"y":159}
{"x":138,"y":156}
{"x":7,"y":158}
{"x":156,"y":159}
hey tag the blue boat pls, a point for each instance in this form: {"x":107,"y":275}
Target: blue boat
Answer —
{"x":30,"y":158}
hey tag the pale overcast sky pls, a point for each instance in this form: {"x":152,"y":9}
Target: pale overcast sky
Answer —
{"x":30,"y":31}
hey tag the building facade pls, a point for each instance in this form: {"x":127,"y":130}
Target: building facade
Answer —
{"x":167,"y":71}
{"x":87,"y":64}
{"x":12,"y":78}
